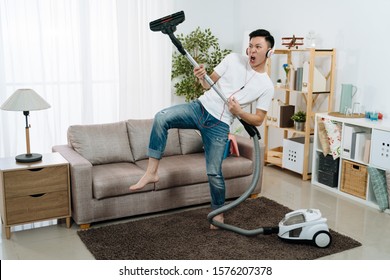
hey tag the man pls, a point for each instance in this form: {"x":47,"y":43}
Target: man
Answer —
{"x":242,"y":79}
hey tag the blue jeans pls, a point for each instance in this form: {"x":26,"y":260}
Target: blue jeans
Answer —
{"x":214,"y":135}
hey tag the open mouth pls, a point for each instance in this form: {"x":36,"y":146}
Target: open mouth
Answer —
{"x":252,"y":58}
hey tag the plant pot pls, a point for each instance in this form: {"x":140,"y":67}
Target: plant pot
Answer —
{"x":299,"y":126}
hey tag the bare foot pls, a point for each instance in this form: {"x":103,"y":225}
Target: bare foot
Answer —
{"x":218,"y":218}
{"x":146,"y":179}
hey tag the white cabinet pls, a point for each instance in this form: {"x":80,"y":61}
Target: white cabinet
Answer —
{"x":380,"y":149}
{"x":363,"y":143}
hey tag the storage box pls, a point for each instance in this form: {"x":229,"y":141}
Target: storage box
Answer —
{"x":328,"y":164}
{"x":380,"y":149}
{"x":293,"y":154}
{"x":328,"y":178}
{"x":354,"y":179}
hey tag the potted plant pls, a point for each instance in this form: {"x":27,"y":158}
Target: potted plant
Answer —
{"x":299,"y":119}
{"x":203,"y":46}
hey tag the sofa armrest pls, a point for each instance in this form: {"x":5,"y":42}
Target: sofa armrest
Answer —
{"x":80,"y":178}
{"x":245,"y":147}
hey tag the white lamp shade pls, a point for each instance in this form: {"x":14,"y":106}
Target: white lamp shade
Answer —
{"x":25,"y":100}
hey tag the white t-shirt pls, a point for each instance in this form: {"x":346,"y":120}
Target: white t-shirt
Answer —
{"x":237,"y":78}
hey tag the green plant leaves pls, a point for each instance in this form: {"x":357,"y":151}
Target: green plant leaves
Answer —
{"x":299,"y":116}
{"x":203,"y":46}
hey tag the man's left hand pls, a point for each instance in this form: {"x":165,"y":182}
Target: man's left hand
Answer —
{"x":234,"y":106}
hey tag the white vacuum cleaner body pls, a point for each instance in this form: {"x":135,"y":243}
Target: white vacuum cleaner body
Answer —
{"x":307,"y":225}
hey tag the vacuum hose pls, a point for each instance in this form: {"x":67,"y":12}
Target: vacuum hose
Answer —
{"x":242,"y":198}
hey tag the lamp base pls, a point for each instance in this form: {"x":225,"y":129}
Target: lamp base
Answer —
{"x":28,"y":157}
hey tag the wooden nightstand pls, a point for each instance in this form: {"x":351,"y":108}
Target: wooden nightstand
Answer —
{"x":36,"y":191}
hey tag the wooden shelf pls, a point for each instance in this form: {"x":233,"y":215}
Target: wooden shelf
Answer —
{"x":291,"y":129}
{"x":310,"y":98}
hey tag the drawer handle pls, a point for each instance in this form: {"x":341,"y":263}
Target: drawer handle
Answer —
{"x":35,"y":169}
{"x":357,"y":167}
{"x":38,"y":195}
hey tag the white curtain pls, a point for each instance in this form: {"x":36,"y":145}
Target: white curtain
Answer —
{"x":93,"y":61}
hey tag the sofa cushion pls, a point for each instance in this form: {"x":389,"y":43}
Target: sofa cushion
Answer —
{"x":101,"y":143}
{"x":190,"y":141}
{"x":234,"y":167}
{"x":114,"y":179}
{"x":184,"y":170}
{"x":139,"y":134}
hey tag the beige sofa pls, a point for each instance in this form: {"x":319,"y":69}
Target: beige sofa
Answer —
{"x":106,"y":159}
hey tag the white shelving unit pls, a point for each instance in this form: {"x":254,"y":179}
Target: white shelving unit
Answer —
{"x":379,"y":153}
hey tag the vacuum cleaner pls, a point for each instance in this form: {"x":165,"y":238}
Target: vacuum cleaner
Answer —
{"x":304,"y":224}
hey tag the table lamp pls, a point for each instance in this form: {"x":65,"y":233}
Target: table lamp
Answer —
{"x":26,"y":100}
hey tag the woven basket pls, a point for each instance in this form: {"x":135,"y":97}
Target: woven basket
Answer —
{"x":354,"y":179}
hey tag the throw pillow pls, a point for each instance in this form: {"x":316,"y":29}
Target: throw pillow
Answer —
{"x":378,"y":183}
{"x":139,"y":135}
{"x":101,"y":143}
{"x":190,"y":141}
{"x":233,"y":145}
{"x":333,"y":129}
{"x":323,"y":137}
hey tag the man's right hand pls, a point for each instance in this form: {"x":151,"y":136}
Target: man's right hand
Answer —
{"x":200,"y":72}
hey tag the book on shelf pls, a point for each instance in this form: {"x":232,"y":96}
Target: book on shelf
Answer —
{"x":285,"y":114}
{"x":358,"y":145}
{"x":298,"y":79}
{"x":367,"y":147}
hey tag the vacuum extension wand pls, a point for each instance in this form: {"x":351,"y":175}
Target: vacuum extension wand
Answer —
{"x":167,"y":25}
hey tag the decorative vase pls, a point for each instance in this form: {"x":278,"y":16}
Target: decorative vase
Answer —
{"x":286,"y":68}
{"x":286,"y":83}
{"x":300,"y":126}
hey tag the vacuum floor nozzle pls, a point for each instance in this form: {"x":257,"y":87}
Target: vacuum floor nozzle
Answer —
{"x":167,"y":24}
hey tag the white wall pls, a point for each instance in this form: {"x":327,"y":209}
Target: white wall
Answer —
{"x":214,"y":14}
{"x":357,"y":29}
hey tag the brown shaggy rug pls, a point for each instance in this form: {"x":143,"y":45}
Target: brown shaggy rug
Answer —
{"x":186,"y":236}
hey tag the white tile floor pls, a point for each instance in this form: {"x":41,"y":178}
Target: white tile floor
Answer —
{"x":346,"y":216}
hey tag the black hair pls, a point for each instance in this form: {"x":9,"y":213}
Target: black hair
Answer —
{"x":263,"y":33}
